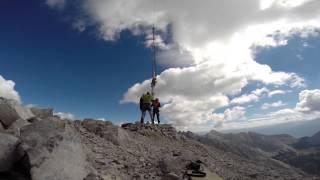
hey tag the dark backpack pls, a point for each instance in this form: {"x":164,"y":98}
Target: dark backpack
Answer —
{"x":195,"y":168}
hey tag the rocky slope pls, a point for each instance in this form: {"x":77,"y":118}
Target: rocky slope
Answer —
{"x":315,"y":139}
{"x":303,"y":153}
{"x":306,"y":156}
{"x":247,"y":143}
{"x":308,"y":142}
{"x":35,"y":145}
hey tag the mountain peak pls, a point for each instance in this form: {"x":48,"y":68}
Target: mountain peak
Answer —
{"x":44,"y":146}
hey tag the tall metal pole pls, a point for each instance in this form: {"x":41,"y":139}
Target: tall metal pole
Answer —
{"x":154,"y":53}
{"x":154,"y":60}
{"x":154,"y":63}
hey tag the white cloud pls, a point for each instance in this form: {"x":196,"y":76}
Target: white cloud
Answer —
{"x":272,"y":105}
{"x":31,"y":106}
{"x":175,"y":56}
{"x":64,"y":115}
{"x":277,"y":117}
{"x":308,"y":108}
{"x":79,"y":25}
{"x":261,"y":91}
{"x":300,"y":57}
{"x":305,"y":44}
{"x":213,"y":57}
{"x":235,"y":114}
{"x":277,"y":92}
{"x":56,"y":4}
{"x":245,"y":99}
{"x":199,"y":112}
{"x":254,"y":96}
{"x":7,"y":90}
{"x":309,"y":101}
{"x":236,"y":118}
{"x":191,"y":83}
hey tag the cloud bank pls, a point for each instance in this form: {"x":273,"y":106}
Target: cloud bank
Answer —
{"x":210,"y":51}
{"x":64,"y":115}
{"x":7,"y":90}
{"x":272,"y":105}
{"x":309,"y":101}
{"x":57,"y":4}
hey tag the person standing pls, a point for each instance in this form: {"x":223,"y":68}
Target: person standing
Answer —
{"x":145,"y":105}
{"x":156,"y":105}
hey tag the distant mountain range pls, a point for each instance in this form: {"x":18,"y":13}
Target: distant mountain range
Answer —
{"x":302,"y":153}
{"x":308,"y":142}
{"x":297,"y":129}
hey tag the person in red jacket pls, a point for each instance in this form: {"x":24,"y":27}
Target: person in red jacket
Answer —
{"x":156,"y":105}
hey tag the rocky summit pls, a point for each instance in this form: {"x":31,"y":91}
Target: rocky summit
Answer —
{"x":36,"y":145}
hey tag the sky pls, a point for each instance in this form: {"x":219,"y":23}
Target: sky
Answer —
{"x":222,"y":65}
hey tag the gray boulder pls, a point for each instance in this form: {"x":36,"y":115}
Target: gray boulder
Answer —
{"x":1,"y":127}
{"x":17,"y":125}
{"x":8,"y":149}
{"x":10,"y":111}
{"x":172,"y":164}
{"x":42,"y":113}
{"x":55,"y":151}
{"x":171,"y":176}
{"x":92,"y":176}
{"x":106,"y":130}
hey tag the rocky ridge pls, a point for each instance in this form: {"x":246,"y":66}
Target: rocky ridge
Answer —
{"x":36,"y":145}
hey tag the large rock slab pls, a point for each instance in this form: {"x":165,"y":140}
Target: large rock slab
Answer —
{"x":16,"y":126}
{"x":10,"y":111}
{"x":42,"y":113}
{"x":8,"y":151}
{"x":107,"y":130}
{"x":55,"y":150}
{"x":1,"y":127}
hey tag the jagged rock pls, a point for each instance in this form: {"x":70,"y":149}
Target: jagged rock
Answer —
{"x":92,"y":124}
{"x":153,"y":151}
{"x":17,"y":125}
{"x":130,"y":126}
{"x":10,"y":111}
{"x":8,"y":153}
{"x":33,"y":119}
{"x":176,"y":153}
{"x":42,"y":113}
{"x":92,"y":176}
{"x":106,"y":130}
{"x":68,"y":150}
{"x":20,"y":170}
{"x":1,"y":127}
{"x":54,"y":150}
{"x":172,"y":165}
{"x":153,"y":130}
{"x":170,"y":176}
